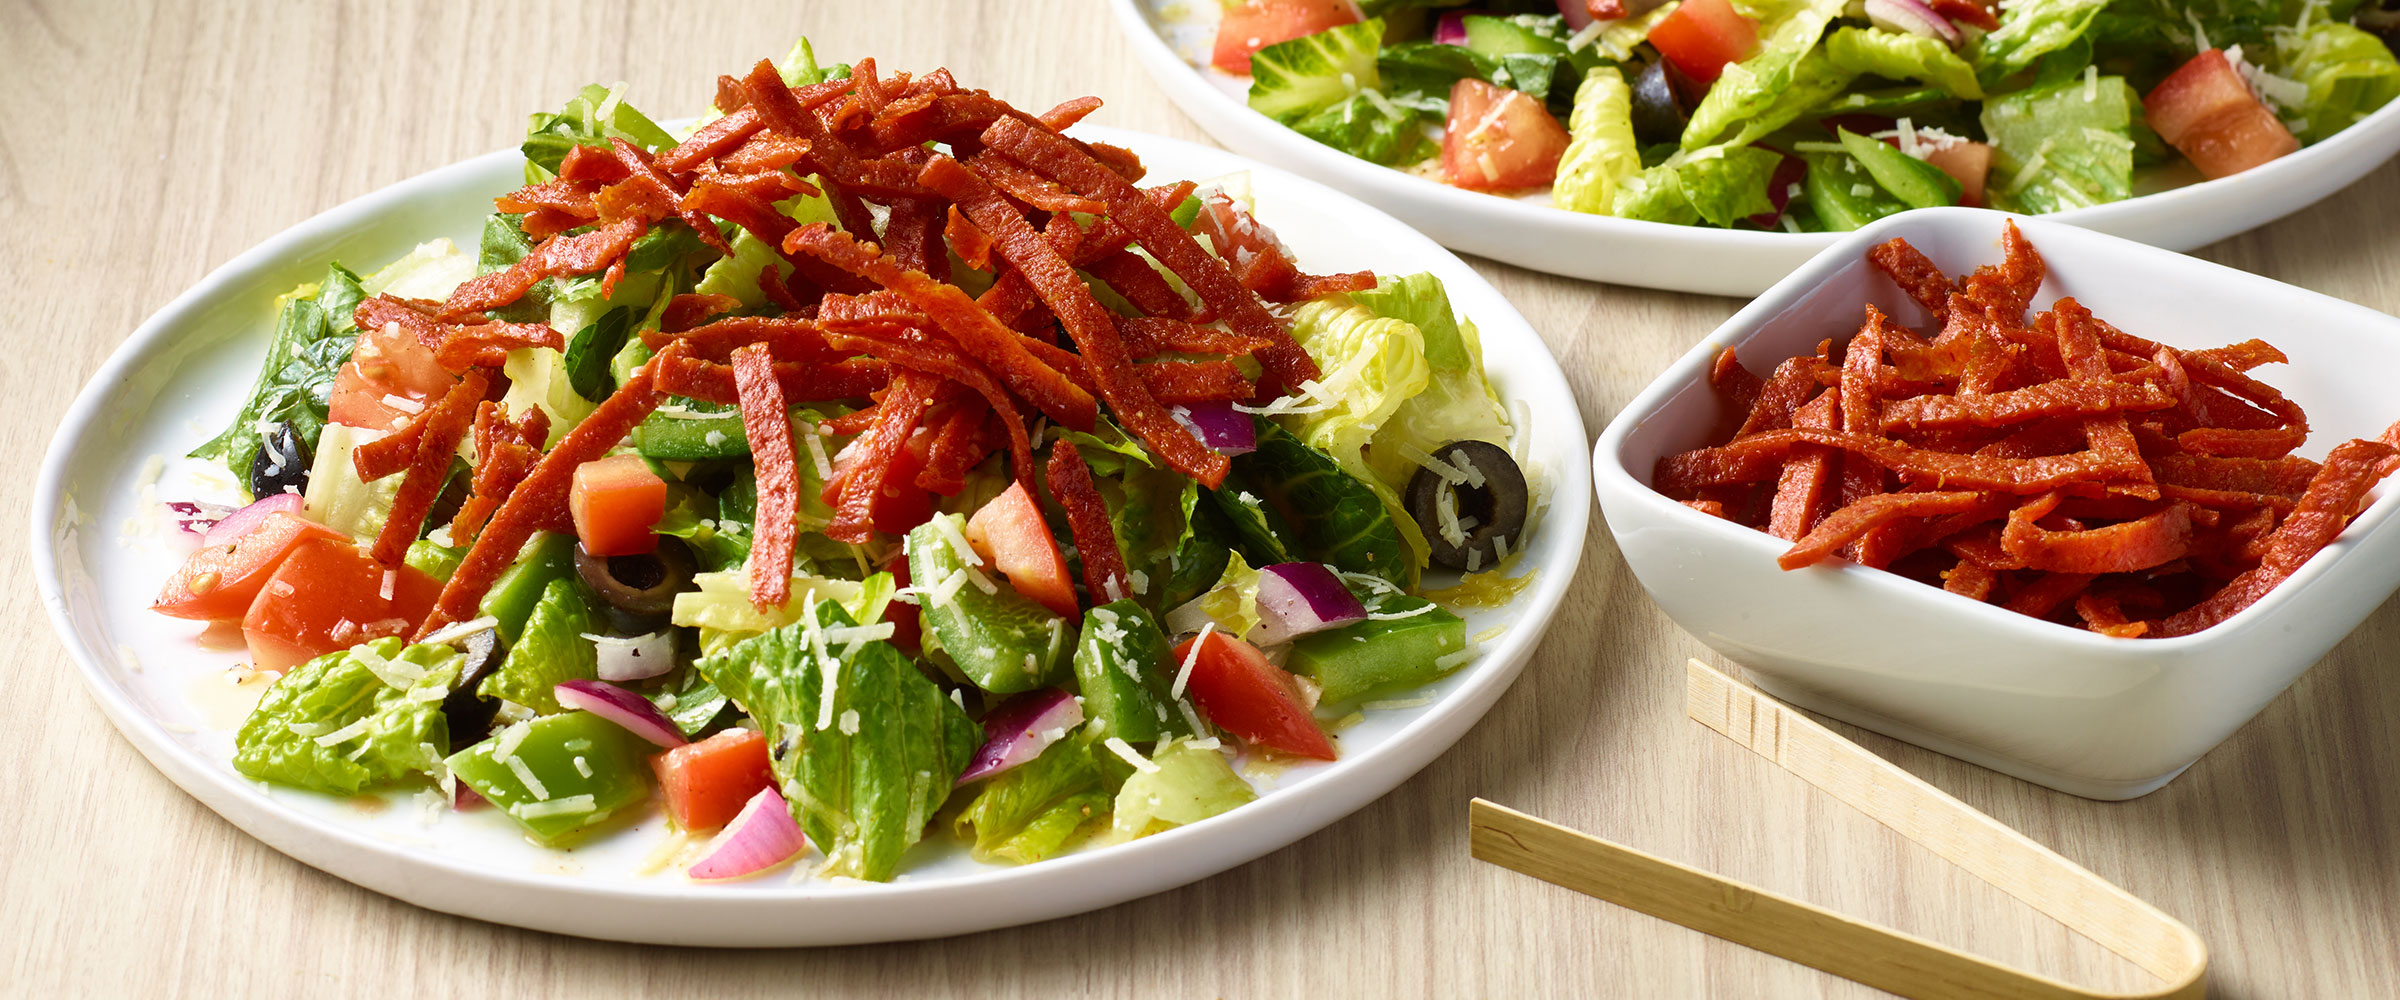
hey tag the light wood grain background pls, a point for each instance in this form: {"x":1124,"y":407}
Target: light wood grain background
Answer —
{"x":143,"y":144}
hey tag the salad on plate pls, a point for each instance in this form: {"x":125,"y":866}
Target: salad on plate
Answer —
{"x":871,"y":461}
{"x":1812,"y":115}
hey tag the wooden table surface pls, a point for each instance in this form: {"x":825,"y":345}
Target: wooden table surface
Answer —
{"x":141,"y":145}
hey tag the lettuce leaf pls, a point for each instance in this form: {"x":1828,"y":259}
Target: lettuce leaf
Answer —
{"x":1031,"y":811}
{"x":1457,"y":402}
{"x":1601,"y":150}
{"x":1430,"y":68}
{"x":2031,"y":29}
{"x":1719,"y":184}
{"x":863,"y":744}
{"x":1750,"y":88}
{"x":1290,"y":81}
{"x":1373,"y":364}
{"x":552,"y":649}
{"x":593,"y":117}
{"x":2349,"y":74}
{"x":719,"y":605}
{"x":1369,"y":126}
{"x":2068,"y":145}
{"x":338,"y":724}
{"x":1898,"y":55}
{"x":314,"y":336}
{"x":1191,"y":783}
{"x":1335,"y":515}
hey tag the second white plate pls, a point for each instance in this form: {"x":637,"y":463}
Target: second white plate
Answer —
{"x":1172,"y":39}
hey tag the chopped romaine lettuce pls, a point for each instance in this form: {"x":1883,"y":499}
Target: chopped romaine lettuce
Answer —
{"x":1457,"y":403}
{"x":336,"y":497}
{"x":1343,"y":518}
{"x":1190,"y":782}
{"x":720,"y":605}
{"x":592,"y":118}
{"x":1428,"y":69}
{"x":2068,"y":145}
{"x":2348,"y":73}
{"x":551,"y":649}
{"x":1898,"y":55}
{"x":1747,"y":89}
{"x":864,"y":745}
{"x":1721,"y":184}
{"x":2031,"y":29}
{"x":313,"y":338}
{"x":1369,"y":126}
{"x":1289,"y":81}
{"x":1031,"y":811}
{"x":1373,"y":363}
{"x":1601,"y":150}
{"x":348,"y":721}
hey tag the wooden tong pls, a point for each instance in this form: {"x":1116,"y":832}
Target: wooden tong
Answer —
{"x":1853,"y":949}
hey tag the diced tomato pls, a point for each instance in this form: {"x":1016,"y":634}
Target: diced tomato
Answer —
{"x":616,"y":503}
{"x":709,"y":781}
{"x":388,"y":364}
{"x":2206,"y":110}
{"x":902,"y":504}
{"x":1499,"y":139}
{"x":1010,"y":532}
{"x":1237,"y":689}
{"x":1966,"y":162}
{"x":1247,"y":26}
{"x":1702,"y":36}
{"x":218,"y":582}
{"x":328,"y":596}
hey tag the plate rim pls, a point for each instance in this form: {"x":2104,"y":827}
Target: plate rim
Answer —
{"x":1285,"y":818}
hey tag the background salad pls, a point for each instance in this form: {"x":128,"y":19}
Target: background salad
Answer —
{"x":874,"y":462}
{"x":1812,"y":115}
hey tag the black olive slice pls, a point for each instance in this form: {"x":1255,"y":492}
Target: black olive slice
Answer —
{"x":1486,"y":513}
{"x":282,"y":463}
{"x":1658,"y":113}
{"x":640,"y":585}
{"x":470,"y":714}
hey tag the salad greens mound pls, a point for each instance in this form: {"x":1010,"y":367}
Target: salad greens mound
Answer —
{"x":869,"y":468}
{"x":1731,"y":113}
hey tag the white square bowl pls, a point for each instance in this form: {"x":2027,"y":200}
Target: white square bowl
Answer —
{"x":2056,"y":705}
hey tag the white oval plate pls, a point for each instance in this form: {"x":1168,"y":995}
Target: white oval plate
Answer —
{"x":1172,"y":39}
{"x":184,"y":370}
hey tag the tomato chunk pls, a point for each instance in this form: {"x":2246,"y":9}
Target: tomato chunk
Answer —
{"x":218,"y":582}
{"x":616,"y":503}
{"x":390,"y":378}
{"x":1499,"y":139}
{"x":1967,"y":162}
{"x":1011,"y":533}
{"x":329,"y":596}
{"x":1703,"y":36}
{"x":1237,"y":689}
{"x":1246,"y":26}
{"x":709,"y":781}
{"x":2206,"y":111}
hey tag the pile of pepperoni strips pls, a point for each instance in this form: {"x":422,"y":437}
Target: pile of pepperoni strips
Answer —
{"x":869,"y":310}
{"x":2052,"y":464}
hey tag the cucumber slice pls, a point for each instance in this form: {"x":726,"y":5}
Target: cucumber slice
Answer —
{"x":1121,"y":665}
{"x":1001,"y":641}
{"x":1381,"y":653}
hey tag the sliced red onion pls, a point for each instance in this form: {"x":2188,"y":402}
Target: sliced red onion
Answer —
{"x":1020,"y":729}
{"x":1577,"y":12}
{"x":622,"y":707}
{"x":636,"y":659}
{"x":1914,"y":18}
{"x":465,"y":798}
{"x":1452,"y":28}
{"x":760,"y":837}
{"x":240,"y":522}
{"x":1297,"y":598}
{"x":1218,"y":425}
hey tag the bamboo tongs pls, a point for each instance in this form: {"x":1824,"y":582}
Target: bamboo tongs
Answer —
{"x":1853,"y":949}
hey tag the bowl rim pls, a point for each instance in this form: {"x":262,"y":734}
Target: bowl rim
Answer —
{"x":1612,"y":477}
{"x":1174,"y":852}
{"x":1138,"y":21}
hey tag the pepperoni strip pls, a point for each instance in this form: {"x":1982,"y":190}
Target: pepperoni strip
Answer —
{"x":1104,"y":575}
{"x":1916,"y":275}
{"x":769,"y":429}
{"x":1845,"y":525}
{"x":903,"y":409}
{"x":1055,"y":155}
{"x":505,"y":452}
{"x":446,"y":424}
{"x":580,"y":254}
{"x":1173,"y":382}
{"x":800,"y":381}
{"x":2066,"y":397}
{"x":542,"y":497}
{"x":2325,"y":509}
{"x":1092,"y":327}
{"x":1148,"y":335}
{"x":2126,"y":547}
{"x":950,"y":309}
